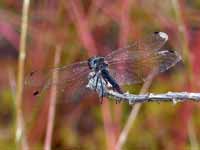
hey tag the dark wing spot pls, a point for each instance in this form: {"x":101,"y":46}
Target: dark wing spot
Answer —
{"x":36,"y":93}
{"x":171,"y":51}
{"x":31,"y":74}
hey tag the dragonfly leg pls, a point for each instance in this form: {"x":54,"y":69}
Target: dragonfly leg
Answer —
{"x":94,"y":75}
{"x":97,"y":82}
{"x":118,"y":101}
{"x":102,"y":91}
{"x":105,"y":81}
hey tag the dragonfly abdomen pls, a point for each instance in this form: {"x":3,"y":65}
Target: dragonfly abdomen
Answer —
{"x":106,"y":75}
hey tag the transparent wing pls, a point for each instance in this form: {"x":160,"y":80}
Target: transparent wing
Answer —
{"x":74,"y":74}
{"x":76,"y":91}
{"x":134,"y":63}
{"x":150,"y":43}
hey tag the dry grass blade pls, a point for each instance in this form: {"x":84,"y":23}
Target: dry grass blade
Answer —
{"x":52,"y":105}
{"x":192,"y":136}
{"x":20,"y":128}
{"x":124,"y":134}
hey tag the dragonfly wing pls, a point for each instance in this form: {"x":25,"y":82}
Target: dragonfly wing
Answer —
{"x":134,"y":63}
{"x":131,"y":68}
{"x":67,"y":75}
{"x":135,"y":66}
{"x":152,"y":42}
{"x":77,"y":90}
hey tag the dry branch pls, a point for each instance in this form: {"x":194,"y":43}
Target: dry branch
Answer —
{"x":103,"y":90}
{"x":151,"y":97}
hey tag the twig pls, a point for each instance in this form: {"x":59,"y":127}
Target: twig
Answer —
{"x":20,"y":129}
{"x":103,"y":89}
{"x":173,"y":97}
{"x":165,"y":97}
{"x":52,"y":105}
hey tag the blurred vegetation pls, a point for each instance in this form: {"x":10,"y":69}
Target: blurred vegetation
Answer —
{"x":83,"y":28}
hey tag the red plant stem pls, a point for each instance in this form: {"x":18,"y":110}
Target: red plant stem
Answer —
{"x":185,"y":111}
{"x":124,"y":23}
{"x":108,"y":125}
{"x":52,"y":104}
{"x":85,"y":35}
{"x":123,"y":39}
{"x":7,"y":31}
{"x":106,"y":8}
{"x":82,"y":26}
{"x":38,"y":129}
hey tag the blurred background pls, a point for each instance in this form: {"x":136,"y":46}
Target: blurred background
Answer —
{"x":74,"y":30}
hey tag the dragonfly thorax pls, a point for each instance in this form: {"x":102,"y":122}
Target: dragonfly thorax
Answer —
{"x":97,"y":63}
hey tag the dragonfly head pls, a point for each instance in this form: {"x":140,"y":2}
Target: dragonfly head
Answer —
{"x":97,"y":63}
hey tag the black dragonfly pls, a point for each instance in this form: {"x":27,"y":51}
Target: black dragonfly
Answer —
{"x":129,"y":65}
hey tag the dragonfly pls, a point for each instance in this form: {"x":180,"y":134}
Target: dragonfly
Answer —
{"x":128,"y":65}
